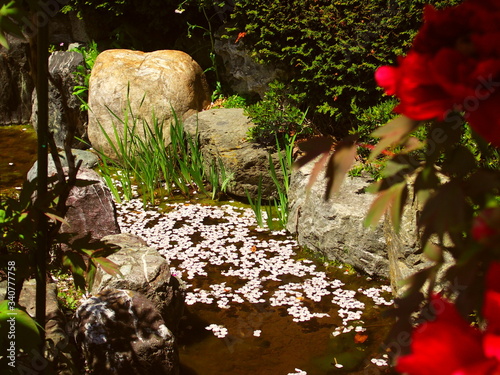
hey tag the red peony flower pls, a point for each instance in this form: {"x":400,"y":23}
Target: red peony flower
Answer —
{"x":450,"y":346}
{"x":486,"y":226}
{"x":454,"y":64}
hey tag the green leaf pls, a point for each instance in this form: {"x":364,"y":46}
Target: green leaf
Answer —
{"x":339,"y":164}
{"x":27,"y":335}
{"x":312,"y":149}
{"x":392,"y":167}
{"x":108,"y":266}
{"x":412,"y":144}
{"x":400,"y":195}
{"x":391,"y":134}
{"x":426,"y":181}
{"x":90,"y":275}
{"x":459,"y":162}
{"x":392,"y":199}
{"x":445,"y":212}
{"x":3,"y":40}
{"x":433,"y":252}
{"x":77,"y":266}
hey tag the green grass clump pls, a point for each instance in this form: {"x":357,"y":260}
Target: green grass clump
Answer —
{"x":158,"y":168}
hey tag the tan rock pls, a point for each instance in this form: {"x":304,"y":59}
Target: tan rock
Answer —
{"x":156,"y":82}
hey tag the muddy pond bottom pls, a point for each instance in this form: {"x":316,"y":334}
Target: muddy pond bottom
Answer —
{"x":256,"y":304}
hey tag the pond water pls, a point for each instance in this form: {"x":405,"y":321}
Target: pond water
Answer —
{"x":18,"y":152}
{"x":255,"y":303}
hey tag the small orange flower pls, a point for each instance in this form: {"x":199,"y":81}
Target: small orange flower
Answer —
{"x":240,"y":36}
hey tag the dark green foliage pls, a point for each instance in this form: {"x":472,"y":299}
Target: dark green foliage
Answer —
{"x":276,"y":115}
{"x":89,"y":54}
{"x":330,"y":48}
{"x":130,"y":24}
{"x":146,"y":25}
{"x":369,"y":119}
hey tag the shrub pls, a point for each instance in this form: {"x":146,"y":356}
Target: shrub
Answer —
{"x":369,"y":119}
{"x":81,"y":91}
{"x":330,"y":48}
{"x":275,"y":116}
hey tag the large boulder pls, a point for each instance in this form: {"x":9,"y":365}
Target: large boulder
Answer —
{"x":142,"y":83}
{"x":91,"y":209}
{"x":335,"y":228}
{"x":120,"y":332}
{"x":222,"y":134}
{"x":16,"y":83}
{"x":65,"y":116}
{"x":144,"y":271}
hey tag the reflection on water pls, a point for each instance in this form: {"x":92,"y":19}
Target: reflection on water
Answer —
{"x":18,"y":152}
{"x":264,"y":333}
{"x":263,"y":339}
{"x":255,"y":303}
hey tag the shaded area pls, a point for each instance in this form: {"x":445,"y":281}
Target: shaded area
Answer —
{"x":18,"y":152}
{"x":283,"y":344}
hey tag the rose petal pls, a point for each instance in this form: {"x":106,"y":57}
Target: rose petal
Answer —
{"x":489,"y":366}
{"x":493,"y":277}
{"x":491,"y":345}
{"x":443,"y":346}
{"x":387,"y":77}
{"x":484,"y":118}
{"x":491,"y":311}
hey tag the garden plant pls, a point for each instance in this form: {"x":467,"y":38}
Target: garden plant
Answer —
{"x":159,"y":168}
{"x":447,"y":317}
{"x":441,"y":152}
{"x":29,"y":224}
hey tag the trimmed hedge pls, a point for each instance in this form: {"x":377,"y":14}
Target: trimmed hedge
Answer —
{"x":331,"y":48}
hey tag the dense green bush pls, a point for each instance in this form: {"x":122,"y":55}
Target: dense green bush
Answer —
{"x":369,"y":119}
{"x":82,"y":73}
{"x":276,"y":116}
{"x":330,"y":48}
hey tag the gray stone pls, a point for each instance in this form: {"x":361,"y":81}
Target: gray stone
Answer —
{"x":241,"y":73}
{"x":16,"y":83}
{"x":335,"y":228}
{"x":91,"y":210}
{"x":159,"y":82}
{"x":145,"y":271}
{"x":222,"y":134}
{"x":88,"y":158}
{"x":59,"y":350}
{"x":65,"y":116}
{"x":122,"y":332}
